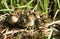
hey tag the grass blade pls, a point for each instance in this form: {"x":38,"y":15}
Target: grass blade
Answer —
{"x":46,"y":6}
{"x":58,"y":3}
{"x":6,"y":5}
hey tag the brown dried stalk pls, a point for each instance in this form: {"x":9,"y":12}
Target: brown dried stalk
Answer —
{"x":54,"y":22}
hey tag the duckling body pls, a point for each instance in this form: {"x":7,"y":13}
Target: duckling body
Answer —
{"x":30,"y":21}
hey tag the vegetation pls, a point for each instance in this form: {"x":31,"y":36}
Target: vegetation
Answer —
{"x":16,"y":15}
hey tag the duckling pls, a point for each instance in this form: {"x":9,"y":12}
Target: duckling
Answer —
{"x":38,"y":19}
{"x":22,"y":21}
{"x":30,"y":21}
{"x":46,"y":18}
{"x":12,"y":18}
{"x":27,"y":12}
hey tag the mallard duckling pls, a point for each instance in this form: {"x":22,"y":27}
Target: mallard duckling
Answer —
{"x":38,"y":19}
{"x":12,"y":19}
{"x":31,"y":20}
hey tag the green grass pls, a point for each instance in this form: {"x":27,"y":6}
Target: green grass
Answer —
{"x":29,"y":4}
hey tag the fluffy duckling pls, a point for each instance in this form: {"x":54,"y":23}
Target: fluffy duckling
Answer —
{"x":12,"y":19}
{"x":38,"y":19}
{"x":30,"y":21}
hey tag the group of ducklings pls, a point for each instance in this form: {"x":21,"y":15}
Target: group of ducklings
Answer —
{"x":26,"y":18}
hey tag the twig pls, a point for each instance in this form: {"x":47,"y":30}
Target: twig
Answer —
{"x":6,"y":32}
{"x":3,"y":17}
{"x":49,"y":37}
{"x":56,"y":14}
{"x":3,"y":30}
{"x":54,"y":22}
{"x":10,"y":32}
{"x":15,"y":31}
